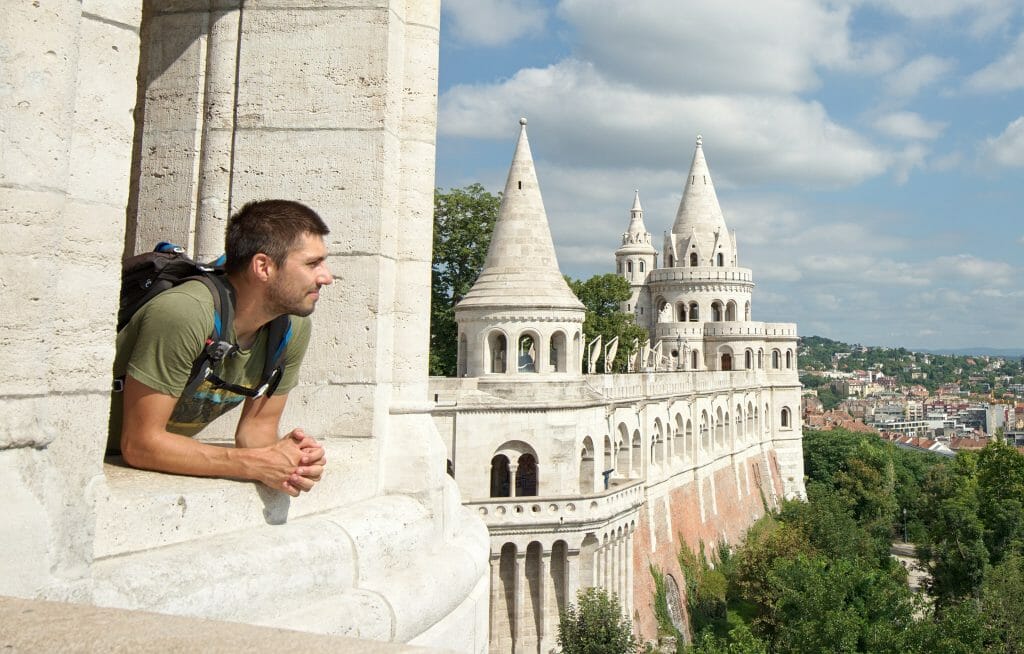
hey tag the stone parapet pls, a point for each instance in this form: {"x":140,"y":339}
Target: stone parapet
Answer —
{"x":37,"y":626}
{"x":701,"y":274}
{"x":504,"y":515}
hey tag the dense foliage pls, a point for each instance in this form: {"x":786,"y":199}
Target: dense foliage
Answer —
{"x":463,"y":222}
{"x":595,"y":624}
{"x":601,"y":295}
{"x":817,"y":576}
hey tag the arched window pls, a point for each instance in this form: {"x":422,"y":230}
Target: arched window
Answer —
{"x":730,"y":311}
{"x":557,"y":355}
{"x":629,"y":267}
{"x":775,"y":359}
{"x":618,"y":267}
{"x":760,"y":359}
{"x":693,"y":259}
{"x":526,"y":476}
{"x":497,"y":347}
{"x":587,"y":466}
{"x":721,"y":259}
{"x":681,"y":311}
{"x":746,"y":312}
{"x":748,"y":359}
{"x":716,"y":312}
{"x":641,"y":266}
{"x":784,"y":418}
{"x":500,"y":486}
{"x":694,"y":312}
{"x":671,"y":261}
{"x":526,"y":354}
{"x":726,"y":362}
{"x":789,"y":358}
{"x":695,"y":363}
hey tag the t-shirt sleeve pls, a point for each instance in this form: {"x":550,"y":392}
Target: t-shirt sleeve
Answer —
{"x":172,"y":331}
{"x":295,"y":352}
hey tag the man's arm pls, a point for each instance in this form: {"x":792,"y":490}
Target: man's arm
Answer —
{"x":146,"y":443}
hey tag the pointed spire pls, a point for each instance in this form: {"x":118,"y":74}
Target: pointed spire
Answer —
{"x":699,"y":208}
{"x":700,"y":216}
{"x":521,"y":269}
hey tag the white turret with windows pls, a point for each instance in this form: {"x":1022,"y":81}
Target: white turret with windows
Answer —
{"x":636,"y":258}
{"x":520,"y":318}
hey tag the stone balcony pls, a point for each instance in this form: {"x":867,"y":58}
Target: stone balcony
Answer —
{"x":509,"y":514}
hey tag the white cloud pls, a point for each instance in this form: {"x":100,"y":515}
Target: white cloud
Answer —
{"x":916,"y":75}
{"x":974,"y":268}
{"x":582,"y":118}
{"x":775,"y":47}
{"x":1007,"y":149}
{"x":980,"y":17}
{"x":494,"y":22}
{"x":909,"y":125}
{"x":1004,"y":74}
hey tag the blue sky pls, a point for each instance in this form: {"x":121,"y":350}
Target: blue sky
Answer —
{"x":868,"y":153}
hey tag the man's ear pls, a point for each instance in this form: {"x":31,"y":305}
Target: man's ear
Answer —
{"x":262,"y":266}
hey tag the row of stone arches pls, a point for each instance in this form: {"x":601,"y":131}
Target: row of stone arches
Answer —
{"x":752,"y":360}
{"x":529,"y":591}
{"x":531,"y":352}
{"x":694,"y":260}
{"x":682,"y":440}
{"x":716,"y":311}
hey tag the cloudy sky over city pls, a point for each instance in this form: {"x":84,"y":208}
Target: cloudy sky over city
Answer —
{"x":868,"y":153}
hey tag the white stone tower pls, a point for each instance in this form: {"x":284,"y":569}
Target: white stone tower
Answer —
{"x":520,"y":317}
{"x":700,"y":284}
{"x":636,"y":258}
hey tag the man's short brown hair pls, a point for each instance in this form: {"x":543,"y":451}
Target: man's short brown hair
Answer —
{"x":272,"y":227}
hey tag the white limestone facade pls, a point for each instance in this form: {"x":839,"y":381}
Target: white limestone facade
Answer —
{"x":587,"y":480}
{"x":175,"y":114}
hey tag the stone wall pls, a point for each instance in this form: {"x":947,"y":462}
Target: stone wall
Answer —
{"x":329,"y":103}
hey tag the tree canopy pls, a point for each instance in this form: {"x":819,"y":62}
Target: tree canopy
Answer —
{"x":601,"y":295}
{"x":463,"y":222}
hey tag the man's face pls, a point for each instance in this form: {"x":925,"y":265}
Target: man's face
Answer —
{"x":295,"y":287}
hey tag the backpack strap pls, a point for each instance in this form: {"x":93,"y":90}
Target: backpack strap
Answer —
{"x":217,"y":347}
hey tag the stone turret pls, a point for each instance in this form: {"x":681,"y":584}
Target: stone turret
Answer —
{"x":520,"y":317}
{"x":637,"y":257}
{"x":699,"y":228}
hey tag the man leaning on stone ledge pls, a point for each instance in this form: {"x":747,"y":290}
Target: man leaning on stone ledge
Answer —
{"x":275,"y":265}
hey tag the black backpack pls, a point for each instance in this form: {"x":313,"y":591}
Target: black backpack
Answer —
{"x":144,"y":276}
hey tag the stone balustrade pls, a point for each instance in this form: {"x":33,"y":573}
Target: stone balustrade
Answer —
{"x":701,"y":274}
{"x":575,"y":511}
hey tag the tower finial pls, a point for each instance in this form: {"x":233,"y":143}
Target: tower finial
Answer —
{"x":522,"y":121}
{"x":700,"y":139}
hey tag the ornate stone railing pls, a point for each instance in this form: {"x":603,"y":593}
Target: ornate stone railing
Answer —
{"x":511,"y":512}
{"x":701,"y":274}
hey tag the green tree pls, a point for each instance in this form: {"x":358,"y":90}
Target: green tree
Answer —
{"x":595,"y":624}
{"x":954,"y":550}
{"x":601,"y":295}
{"x":1001,"y":498}
{"x":463,"y":222}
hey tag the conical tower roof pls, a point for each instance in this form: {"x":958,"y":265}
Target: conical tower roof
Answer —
{"x":699,"y":209}
{"x":636,"y":238}
{"x":521,"y":270}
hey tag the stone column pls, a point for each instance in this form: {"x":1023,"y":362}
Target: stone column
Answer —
{"x":572,"y":575}
{"x":519,"y":612}
{"x":544,"y":622}
{"x":627,"y":600}
{"x":497,"y":598}
{"x":512,"y":468}
{"x":216,"y":160}
{"x":69,"y":89}
{"x":599,"y":566}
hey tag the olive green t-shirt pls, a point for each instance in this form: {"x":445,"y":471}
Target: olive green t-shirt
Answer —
{"x":165,"y":337}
